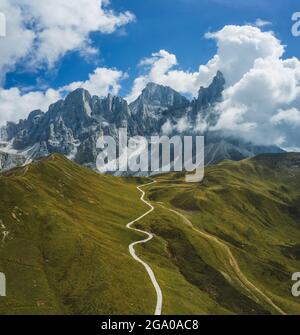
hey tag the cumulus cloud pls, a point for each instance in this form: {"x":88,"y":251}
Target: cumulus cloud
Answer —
{"x":44,"y":31}
{"x":238,"y":47}
{"x":256,"y":93}
{"x":17,"y":105}
{"x":100,"y":83}
{"x":289,"y":116}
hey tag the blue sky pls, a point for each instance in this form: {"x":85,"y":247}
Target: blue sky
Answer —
{"x":177,"y":26}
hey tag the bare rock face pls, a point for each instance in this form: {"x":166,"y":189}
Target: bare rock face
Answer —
{"x":9,"y":161}
{"x":72,"y":126}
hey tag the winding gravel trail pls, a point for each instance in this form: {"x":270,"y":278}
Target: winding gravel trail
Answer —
{"x":158,"y":307}
{"x":232,"y":260}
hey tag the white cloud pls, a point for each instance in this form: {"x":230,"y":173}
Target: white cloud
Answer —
{"x":167,"y":128}
{"x":44,"y":31}
{"x":182,"y":125}
{"x":101,"y":82}
{"x":238,"y":49}
{"x":260,"y":23}
{"x":15,"y":105}
{"x":289,"y":116}
{"x":256,"y":92}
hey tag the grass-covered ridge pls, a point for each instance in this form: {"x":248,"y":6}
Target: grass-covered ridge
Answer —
{"x":66,"y":248}
{"x":253,"y":207}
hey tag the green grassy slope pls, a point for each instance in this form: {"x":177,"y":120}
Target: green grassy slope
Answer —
{"x":250,"y":206}
{"x":67,"y":247}
{"x":66,"y":251}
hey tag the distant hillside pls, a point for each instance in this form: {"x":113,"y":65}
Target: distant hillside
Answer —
{"x":252,"y":206}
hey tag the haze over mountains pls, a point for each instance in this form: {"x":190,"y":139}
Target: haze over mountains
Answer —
{"x":72,"y":126}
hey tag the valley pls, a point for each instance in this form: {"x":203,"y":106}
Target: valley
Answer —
{"x":227,"y":245}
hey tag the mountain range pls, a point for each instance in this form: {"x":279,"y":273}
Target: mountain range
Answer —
{"x":72,"y":126}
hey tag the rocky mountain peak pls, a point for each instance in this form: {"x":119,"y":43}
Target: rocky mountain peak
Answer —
{"x":112,"y":108}
{"x":213,"y":93}
{"x":157,"y":97}
{"x":77,"y":96}
{"x":77,"y":108}
{"x":35,"y":116}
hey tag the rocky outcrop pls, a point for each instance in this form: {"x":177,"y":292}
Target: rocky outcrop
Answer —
{"x":9,"y":161}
